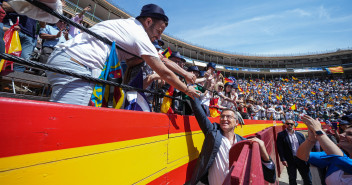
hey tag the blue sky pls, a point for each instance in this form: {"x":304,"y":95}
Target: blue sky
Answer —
{"x":257,"y":27}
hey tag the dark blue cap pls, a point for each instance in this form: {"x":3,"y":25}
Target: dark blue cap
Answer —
{"x":177,"y":55}
{"x":201,"y":73}
{"x":152,"y":10}
{"x":211,"y":64}
{"x":193,"y":68}
{"x":229,"y":83}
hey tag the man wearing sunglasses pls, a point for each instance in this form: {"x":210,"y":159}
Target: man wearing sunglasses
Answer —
{"x":288,"y":142}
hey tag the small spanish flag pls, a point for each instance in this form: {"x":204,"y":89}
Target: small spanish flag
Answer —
{"x":239,"y":88}
{"x":166,"y":105}
{"x":279,"y":97}
{"x":320,"y":89}
{"x":294,"y":78}
{"x":167,"y":52}
{"x":228,"y":80}
{"x":313,"y":92}
{"x":293,"y":107}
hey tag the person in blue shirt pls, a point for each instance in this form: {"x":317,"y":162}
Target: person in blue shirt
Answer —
{"x":338,"y":164}
{"x":52,"y":35}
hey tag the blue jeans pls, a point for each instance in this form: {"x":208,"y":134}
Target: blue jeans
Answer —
{"x":2,"y":43}
{"x":27,"y":43}
{"x":68,"y":89}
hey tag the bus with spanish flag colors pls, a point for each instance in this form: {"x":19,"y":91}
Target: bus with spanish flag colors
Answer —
{"x":52,"y":143}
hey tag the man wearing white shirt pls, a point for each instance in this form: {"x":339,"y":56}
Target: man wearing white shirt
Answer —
{"x":86,"y":55}
{"x":213,"y":162}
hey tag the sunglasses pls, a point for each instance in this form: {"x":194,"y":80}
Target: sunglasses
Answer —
{"x":290,"y":124}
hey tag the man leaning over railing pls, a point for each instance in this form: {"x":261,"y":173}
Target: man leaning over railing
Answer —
{"x":86,"y":55}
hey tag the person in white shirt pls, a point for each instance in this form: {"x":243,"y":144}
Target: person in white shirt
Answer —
{"x":290,"y":115}
{"x":213,"y":162}
{"x":86,"y":55}
{"x":78,"y":18}
{"x":271,"y":112}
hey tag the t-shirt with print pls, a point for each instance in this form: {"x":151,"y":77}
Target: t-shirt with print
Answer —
{"x":129,"y":34}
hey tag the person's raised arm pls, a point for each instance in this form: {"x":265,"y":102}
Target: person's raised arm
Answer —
{"x":328,"y":146}
{"x":304,"y":149}
{"x":86,"y":9}
{"x":190,"y":77}
{"x":167,"y":75}
{"x":202,"y":119}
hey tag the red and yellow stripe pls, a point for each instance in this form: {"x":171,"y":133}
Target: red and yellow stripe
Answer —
{"x":51,"y":143}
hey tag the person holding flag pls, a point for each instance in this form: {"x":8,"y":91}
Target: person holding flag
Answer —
{"x":86,"y":55}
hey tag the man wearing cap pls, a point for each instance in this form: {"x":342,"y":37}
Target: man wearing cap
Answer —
{"x":178,"y":59}
{"x":287,"y":145}
{"x":86,"y":55}
{"x":210,"y":75}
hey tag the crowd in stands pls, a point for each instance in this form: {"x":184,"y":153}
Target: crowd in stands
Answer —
{"x":258,"y":99}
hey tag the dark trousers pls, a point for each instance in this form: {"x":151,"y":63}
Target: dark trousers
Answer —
{"x":302,"y":167}
{"x":46,"y":52}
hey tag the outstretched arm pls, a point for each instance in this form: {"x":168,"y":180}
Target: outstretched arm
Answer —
{"x":304,"y":149}
{"x":167,"y":75}
{"x":190,"y":77}
{"x":202,"y":119}
{"x":328,"y":146}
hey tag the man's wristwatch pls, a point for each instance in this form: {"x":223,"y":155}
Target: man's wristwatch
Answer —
{"x":319,"y":133}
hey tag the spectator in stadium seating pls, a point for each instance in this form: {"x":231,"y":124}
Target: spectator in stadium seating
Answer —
{"x":338,"y":164}
{"x":86,"y":55}
{"x":206,"y":96}
{"x":27,"y":29}
{"x":178,"y":59}
{"x":287,"y":145}
{"x":52,"y":35}
{"x":210,"y":76}
{"x":259,"y":111}
{"x":271,"y":112}
{"x":289,"y":115}
{"x":227,"y":100}
{"x":78,"y":18}
{"x":213,"y":162}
